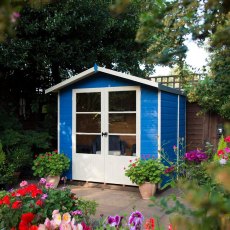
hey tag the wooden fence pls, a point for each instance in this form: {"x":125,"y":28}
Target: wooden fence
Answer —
{"x":200,"y":129}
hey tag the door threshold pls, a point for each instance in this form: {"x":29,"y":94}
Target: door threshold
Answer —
{"x":91,"y":184}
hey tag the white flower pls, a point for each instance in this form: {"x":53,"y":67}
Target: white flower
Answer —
{"x":79,"y":227}
{"x":223,"y":161}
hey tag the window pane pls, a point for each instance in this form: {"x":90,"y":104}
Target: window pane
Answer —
{"x":122,"y":145}
{"x":90,"y":144}
{"x":122,"y":101}
{"x":88,"y":123}
{"x":122,"y":123}
{"x":88,"y":102}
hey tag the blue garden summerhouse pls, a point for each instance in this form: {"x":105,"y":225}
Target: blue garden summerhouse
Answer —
{"x":107,"y":118}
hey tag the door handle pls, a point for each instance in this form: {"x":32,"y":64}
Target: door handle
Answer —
{"x":104,"y":134}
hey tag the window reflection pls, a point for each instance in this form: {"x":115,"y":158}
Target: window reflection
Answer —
{"x":88,"y":102}
{"x":89,"y":144}
{"x":122,"y":101}
{"x":88,"y":123}
{"x":120,"y":145}
{"x":122,"y":123}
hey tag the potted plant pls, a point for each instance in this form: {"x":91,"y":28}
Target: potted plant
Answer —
{"x":146,"y":174}
{"x":51,"y":165}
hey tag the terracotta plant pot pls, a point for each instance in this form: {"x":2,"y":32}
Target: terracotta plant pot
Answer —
{"x":147,"y":190}
{"x":54,"y":180}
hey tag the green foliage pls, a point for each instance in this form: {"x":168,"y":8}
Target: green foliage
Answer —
{"x":6,"y":169}
{"x":50,"y":164}
{"x":141,"y":171}
{"x":88,"y":208}
{"x":167,"y":25}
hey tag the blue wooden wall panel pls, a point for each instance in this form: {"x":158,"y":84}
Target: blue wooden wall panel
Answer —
{"x":149,"y":122}
{"x":169,"y":107}
{"x":65,"y":125}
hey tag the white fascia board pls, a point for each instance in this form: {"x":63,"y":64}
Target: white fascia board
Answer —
{"x":128,"y":77}
{"x":69,"y":81}
{"x":91,"y":71}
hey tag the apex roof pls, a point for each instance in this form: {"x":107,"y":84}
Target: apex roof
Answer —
{"x":96,"y":69}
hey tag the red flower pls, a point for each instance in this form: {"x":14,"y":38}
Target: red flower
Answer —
{"x":169,"y":169}
{"x":171,"y":227}
{"x":55,"y":151}
{"x":134,"y":165}
{"x":130,"y":161}
{"x":220,"y":152}
{"x":149,"y":224}
{"x":6,"y":200}
{"x":17,"y":204}
{"x":227,"y":139}
{"x":26,"y":220}
{"x":27,"y":217}
{"x":39,"y":203}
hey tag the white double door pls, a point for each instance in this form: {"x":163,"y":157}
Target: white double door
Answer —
{"x":106,"y":124}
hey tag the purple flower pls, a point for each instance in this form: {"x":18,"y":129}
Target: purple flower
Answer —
{"x":114,"y":221}
{"x":44,"y":196}
{"x":196,"y":156}
{"x":136,"y":220}
{"x":76,"y":212}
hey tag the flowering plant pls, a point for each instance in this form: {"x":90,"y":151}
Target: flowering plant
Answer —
{"x":33,"y":203}
{"x":141,"y":171}
{"x":50,"y":164}
{"x":196,"y":156}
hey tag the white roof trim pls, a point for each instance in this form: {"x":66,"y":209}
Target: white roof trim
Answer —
{"x":91,"y":71}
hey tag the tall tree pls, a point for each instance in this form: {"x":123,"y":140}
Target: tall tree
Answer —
{"x":167,"y":25}
{"x":66,"y":37}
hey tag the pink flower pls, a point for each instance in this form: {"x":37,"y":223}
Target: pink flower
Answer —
{"x":174,"y":147}
{"x":171,"y":227}
{"x":14,"y":16}
{"x":227,"y":150}
{"x":42,"y":181}
{"x":76,"y":212}
{"x":23,"y":183}
{"x":49,"y":185}
{"x":227,"y":139}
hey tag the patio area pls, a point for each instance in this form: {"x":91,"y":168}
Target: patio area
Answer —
{"x":121,"y":200}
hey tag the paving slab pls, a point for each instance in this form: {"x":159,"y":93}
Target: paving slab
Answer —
{"x":121,"y":200}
